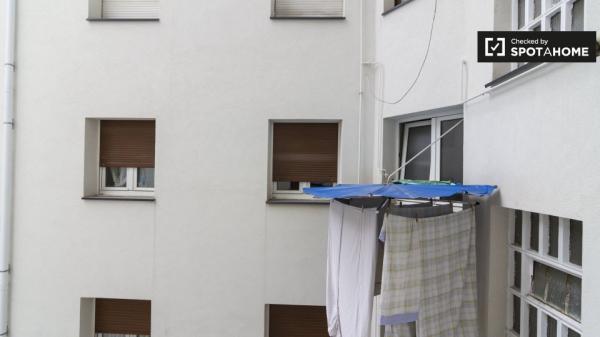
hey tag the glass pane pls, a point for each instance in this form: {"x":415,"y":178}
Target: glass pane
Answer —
{"x":116,"y":177}
{"x":577,"y":16}
{"x":537,"y":28}
{"x":551,"y":326}
{"x":576,"y":231}
{"x":451,"y":152}
{"x":555,"y":22}
{"x":574,"y":297}
{"x":537,"y":8}
{"x":534,"y":236}
{"x":553,"y":237}
{"x":517,"y":273}
{"x":539,"y":281}
{"x":288,"y":186}
{"x":558,"y":289}
{"x":145,"y":177}
{"x":521,"y":13}
{"x":573,"y":334}
{"x":516,"y":314}
{"x":418,"y":138}
{"x":532,"y":321}
{"x":518,"y":227}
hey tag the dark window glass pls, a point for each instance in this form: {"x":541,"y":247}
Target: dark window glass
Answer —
{"x":419,"y":137}
{"x":555,"y":22}
{"x":537,"y":28}
{"x":534,"y":236}
{"x":288,"y":185}
{"x":532,"y":321}
{"x":577,"y":16}
{"x":521,"y":13}
{"x":518,"y":227}
{"x":573,"y":300}
{"x":558,"y":289}
{"x":451,"y":152}
{"x":517,"y":279}
{"x":516,"y":314}
{"x":573,"y":334}
{"x":537,"y":8}
{"x":551,"y":326}
{"x":553,"y":237}
{"x":575,"y":237}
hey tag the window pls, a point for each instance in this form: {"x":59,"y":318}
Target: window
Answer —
{"x":308,"y":9}
{"x":545,"y":275}
{"x":304,"y":155}
{"x":127,"y":157}
{"x":297,"y":320}
{"x":123,"y":9}
{"x":443,"y":160}
{"x":548,"y":15}
{"x":122,"y":318}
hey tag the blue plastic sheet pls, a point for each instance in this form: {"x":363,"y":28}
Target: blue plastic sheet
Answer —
{"x":399,"y":191}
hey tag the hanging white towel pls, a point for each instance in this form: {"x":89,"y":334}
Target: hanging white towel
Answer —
{"x":351,"y":260}
{"x":429,"y":276}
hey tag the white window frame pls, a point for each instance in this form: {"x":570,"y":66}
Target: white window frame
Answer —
{"x":436,"y":148}
{"x":565,"y":7}
{"x":528,"y":257}
{"x":131,"y":188}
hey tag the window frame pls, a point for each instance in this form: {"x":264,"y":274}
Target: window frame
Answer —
{"x":131,"y":188}
{"x":436,"y":148}
{"x":528,"y":257}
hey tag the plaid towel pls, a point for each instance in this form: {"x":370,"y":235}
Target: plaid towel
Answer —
{"x":429,"y":276}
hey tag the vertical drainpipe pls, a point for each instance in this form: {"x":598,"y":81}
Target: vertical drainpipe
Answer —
{"x":6,"y":162}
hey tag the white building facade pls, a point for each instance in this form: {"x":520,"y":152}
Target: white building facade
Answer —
{"x":219,"y":235}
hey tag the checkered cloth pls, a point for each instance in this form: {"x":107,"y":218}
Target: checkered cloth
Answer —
{"x":429,"y":276}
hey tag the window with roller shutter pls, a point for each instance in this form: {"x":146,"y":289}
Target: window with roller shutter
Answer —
{"x":122,"y":317}
{"x":297,"y":321}
{"x":308,"y":9}
{"x":127,"y":157}
{"x":304,"y":155}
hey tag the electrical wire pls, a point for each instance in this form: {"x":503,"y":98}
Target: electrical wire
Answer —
{"x":414,"y":82}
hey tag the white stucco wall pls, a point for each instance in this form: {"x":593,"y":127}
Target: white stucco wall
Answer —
{"x":209,"y":253}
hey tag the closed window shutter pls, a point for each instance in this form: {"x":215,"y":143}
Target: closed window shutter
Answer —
{"x":309,"y":8}
{"x":297,"y":321}
{"x":305,"y":152}
{"x":127,"y":143}
{"x":130,"y":9}
{"x":118,"y":316}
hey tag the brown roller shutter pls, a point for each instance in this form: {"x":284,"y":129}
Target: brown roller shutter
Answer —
{"x":117,"y":316}
{"x":297,"y":321}
{"x":127,"y":143}
{"x":305,"y":152}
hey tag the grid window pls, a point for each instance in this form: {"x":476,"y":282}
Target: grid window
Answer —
{"x":544,"y":276}
{"x":549,"y":15}
{"x":308,"y":9}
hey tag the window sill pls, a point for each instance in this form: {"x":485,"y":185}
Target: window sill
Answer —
{"x":308,"y":18}
{"x":297,"y":202}
{"x":513,"y":74}
{"x":124,"y":20}
{"x":122,"y":198}
{"x":386,"y":12}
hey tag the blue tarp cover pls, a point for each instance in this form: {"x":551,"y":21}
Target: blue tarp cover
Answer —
{"x":399,"y":191}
